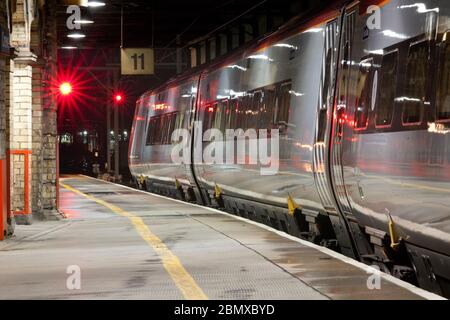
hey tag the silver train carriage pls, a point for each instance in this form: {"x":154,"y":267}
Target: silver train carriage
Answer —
{"x":360,"y":95}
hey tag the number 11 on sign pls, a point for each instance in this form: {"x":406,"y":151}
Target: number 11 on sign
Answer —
{"x":137,"y":61}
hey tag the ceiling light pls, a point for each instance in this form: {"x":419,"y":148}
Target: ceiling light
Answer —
{"x":94,"y":4}
{"x":76,"y":35}
{"x":68,"y":47}
{"x":83,"y":21}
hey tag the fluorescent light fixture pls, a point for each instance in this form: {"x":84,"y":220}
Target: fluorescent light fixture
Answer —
{"x":76,"y":35}
{"x":95,"y":4}
{"x":81,"y":3}
{"x":403,"y":99}
{"x":84,"y":21}
{"x":68,"y":47}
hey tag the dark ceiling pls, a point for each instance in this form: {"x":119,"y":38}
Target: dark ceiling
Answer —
{"x":157,"y":22}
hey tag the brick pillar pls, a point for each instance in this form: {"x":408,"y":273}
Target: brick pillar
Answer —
{"x":21,"y":138}
{"x":36,"y":163}
{"x":3,"y":158}
{"x":49,"y":116}
{"x":9,"y":99}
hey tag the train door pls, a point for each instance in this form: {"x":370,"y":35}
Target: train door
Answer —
{"x":195,"y":166}
{"x":344,"y":97}
{"x":342,"y":100}
{"x":321,"y":155}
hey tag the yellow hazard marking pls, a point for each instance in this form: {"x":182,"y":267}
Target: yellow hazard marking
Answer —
{"x":217,"y":192}
{"x":395,"y":242}
{"x":292,"y":205}
{"x":183,"y":280}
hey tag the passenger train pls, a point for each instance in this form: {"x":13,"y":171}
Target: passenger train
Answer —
{"x":360,"y":98}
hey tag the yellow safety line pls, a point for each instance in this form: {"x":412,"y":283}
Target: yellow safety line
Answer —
{"x":172,"y":264}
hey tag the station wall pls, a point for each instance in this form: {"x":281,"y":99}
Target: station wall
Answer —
{"x":28,"y":137}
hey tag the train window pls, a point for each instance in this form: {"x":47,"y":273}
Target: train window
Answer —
{"x":159,"y":131}
{"x":344,"y":75}
{"x":219,"y":118}
{"x":364,"y":93}
{"x":240,"y":114}
{"x":386,"y":94}
{"x":179,"y":122}
{"x":150,"y":131}
{"x":210,"y":114}
{"x":153,"y":128}
{"x":171,"y":127}
{"x":231,"y":114}
{"x":163,"y":129}
{"x":417,"y":77}
{"x":267,"y":108}
{"x":283,"y":108}
{"x":327,"y":79}
{"x":443,"y":100}
{"x":165,"y":120}
{"x":244,"y":108}
{"x":252,"y":115}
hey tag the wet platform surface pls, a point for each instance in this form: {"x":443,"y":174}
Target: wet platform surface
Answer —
{"x":129,"y":244}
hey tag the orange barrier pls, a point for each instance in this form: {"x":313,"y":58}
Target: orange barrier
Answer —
{"x":27,"y":154}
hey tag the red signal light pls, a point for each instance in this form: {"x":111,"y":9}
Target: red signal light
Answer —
{"x":118,"y":98}
{"x":65,"y":88}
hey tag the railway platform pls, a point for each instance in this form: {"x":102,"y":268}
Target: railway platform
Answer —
{"x":121,"y":243}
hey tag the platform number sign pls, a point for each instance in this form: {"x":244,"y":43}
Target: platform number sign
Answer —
{"x":136,"y":61}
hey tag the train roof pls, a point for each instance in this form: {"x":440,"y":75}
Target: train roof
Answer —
{"x":295,"y":25}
